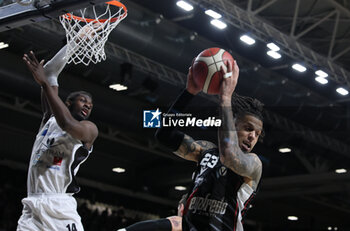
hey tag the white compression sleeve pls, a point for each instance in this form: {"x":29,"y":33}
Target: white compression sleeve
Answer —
{"x":54,"y":66}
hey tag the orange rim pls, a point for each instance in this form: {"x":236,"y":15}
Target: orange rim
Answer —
{"x":70,"y":16}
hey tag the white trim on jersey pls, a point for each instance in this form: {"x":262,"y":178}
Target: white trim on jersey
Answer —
{"x":243,"y":194}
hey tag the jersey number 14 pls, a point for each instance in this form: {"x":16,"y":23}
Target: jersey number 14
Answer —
{"x":71,"y":227}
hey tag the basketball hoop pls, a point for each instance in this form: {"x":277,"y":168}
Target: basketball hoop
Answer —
{"x":86,"y":37}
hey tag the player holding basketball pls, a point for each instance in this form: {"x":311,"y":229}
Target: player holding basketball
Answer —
{"x":227,"y":175}
{"x":64,"y":141}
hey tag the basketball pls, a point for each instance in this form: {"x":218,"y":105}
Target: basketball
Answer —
{"x":206,"y":69}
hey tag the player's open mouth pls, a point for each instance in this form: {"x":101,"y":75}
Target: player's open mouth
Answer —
{"x":84,"y":112}
{"x":245,"y":146}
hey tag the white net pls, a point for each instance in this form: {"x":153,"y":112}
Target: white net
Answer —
{"x":86,"y":37}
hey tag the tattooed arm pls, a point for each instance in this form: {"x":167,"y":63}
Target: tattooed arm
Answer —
{"x":191,"y":149}
{"x":180,"y":143}
{"x":231,"y":155}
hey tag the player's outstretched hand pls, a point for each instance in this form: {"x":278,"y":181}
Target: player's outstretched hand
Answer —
{"x":191,"y":85}
{"x":88,"y":32}
{"x":35,"y":67}
{"x":230,"y":79}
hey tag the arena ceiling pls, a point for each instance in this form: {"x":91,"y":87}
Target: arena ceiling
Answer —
{"x":159,"y":40}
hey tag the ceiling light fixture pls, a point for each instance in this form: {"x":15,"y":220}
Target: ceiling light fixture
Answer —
{"x":321,"y":73}
{"x":3,"y":45}
{"x":184,"y":5}
{"x":118,"y":87}
{"x":218,"y":23}
{"x":247,"y":39}
{"x":299,"y":67}
{"x":321,"y":80}
{"x":180,"y":188}
{"x":342,"y":91}
{"x":213,"y":14}
{"x":273,"y":46}
{"x":274,"y":54}
{"x":118,"y":170}
{"x":284,"y":150}
{"x":340,"y":170}
{"x":293,"y":218}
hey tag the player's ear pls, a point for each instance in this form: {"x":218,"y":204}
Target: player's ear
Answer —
{"x":68,"y":103}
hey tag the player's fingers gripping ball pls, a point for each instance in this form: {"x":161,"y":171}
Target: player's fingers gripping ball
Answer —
{"x":207,"y":72}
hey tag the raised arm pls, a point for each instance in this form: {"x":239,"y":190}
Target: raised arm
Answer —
{"x":54,"y":67}
{"x":85,"y":131}
{"x":52,"y":70}
{"x":180,"y":143}
{"x":231,"y":155}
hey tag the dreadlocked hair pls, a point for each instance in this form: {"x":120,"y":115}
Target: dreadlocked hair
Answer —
{"x":72,"y":96}
{"x":244,"y":105}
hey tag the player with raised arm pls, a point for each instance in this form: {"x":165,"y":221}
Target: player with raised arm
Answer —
{"x":64,"y":141}
{"x":227,"y":175}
